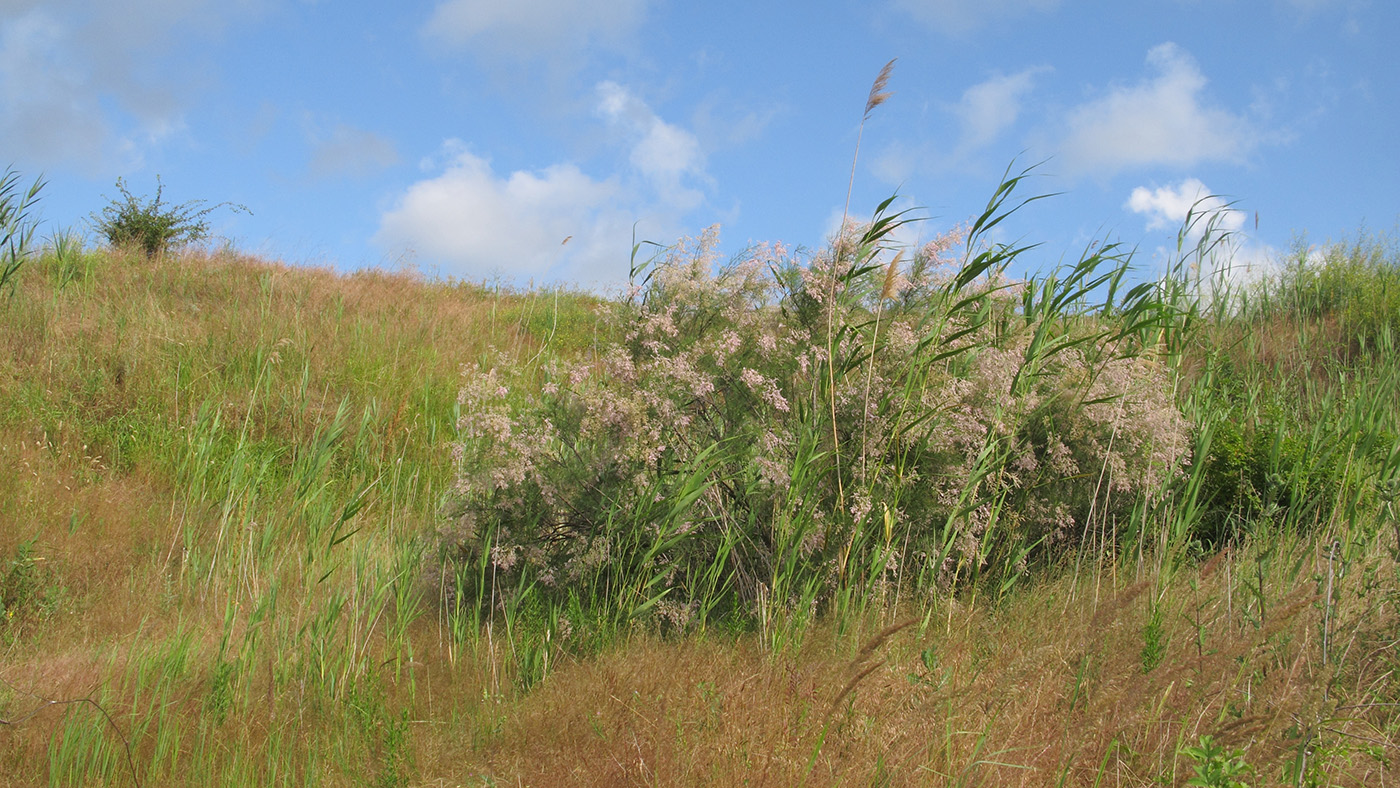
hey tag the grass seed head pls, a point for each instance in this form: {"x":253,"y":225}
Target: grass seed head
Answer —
{"x":878,"y":94}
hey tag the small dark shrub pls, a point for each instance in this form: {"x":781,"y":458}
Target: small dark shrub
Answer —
{"x":26,"y":594}
{"x":153,"y":227}
{"x":1263,"y":470}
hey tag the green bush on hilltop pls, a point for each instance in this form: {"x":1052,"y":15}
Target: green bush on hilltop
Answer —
{"x":1353,"y":285}
{"x":152,"y":226}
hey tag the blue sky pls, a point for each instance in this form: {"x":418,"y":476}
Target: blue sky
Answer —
{"x":471,"y":137}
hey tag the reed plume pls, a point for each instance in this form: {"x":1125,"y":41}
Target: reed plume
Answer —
{"x":878,"y":95}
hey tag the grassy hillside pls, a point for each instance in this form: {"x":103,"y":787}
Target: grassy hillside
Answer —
{"x":245,"y":537}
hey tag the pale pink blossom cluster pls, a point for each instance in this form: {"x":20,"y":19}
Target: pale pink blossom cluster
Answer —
{"x":807,"y":405}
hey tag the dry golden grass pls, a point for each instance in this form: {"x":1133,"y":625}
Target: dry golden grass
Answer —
{"x":1047,"y":689}
{"x":102,"y":381}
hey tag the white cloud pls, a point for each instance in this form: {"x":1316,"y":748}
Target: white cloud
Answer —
{"x":1161,"y":120}
{"x":477,"y":224}
{"x":963,"y":16}
{"x":350,"y":152}
{"x":1238,"y":259}
{"x":47,"y":112}
{"x":666,"y":155}
{"x":528,"y":28}
{"x":989,"y":108}
{"x":1168,"y":206}
{"x":89,"y":84}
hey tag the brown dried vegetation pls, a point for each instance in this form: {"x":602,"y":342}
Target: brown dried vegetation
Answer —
{"x":230,"y":645}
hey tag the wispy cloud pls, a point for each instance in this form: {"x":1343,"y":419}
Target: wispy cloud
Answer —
{"x":958,"y":17}
{"x":722,"y":122}
{"x":347,"y":151}
{"x":989,"y":108}
{"x":83,"y":84}
{"x":532,"y":28}
{"x":1308,"y":11}
{"x":666,"y":155}
{"x":47,"y":111}
{"x":1310,"y":7}
{"x":1164,"y":119}
{"x":983,"y":114}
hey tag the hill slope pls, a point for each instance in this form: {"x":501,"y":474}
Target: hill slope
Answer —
{"x":219,"y":528}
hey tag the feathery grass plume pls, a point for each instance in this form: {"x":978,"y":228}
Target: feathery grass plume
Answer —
{"x":877,"y":96}
{"x":862,"y":666}
{"x":891,"y":277}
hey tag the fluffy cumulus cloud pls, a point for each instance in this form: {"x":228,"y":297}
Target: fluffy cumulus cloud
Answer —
{"x":963,"y":16}
{"x":1239,"y":259}
{"x":1163,"y":120}
{"x":1168,"y":206}
{"x":476,"y":223}
{"x":83,"y":84}
{"x":528,"y":28}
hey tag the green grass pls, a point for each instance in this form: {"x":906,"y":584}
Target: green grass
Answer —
{"x":226,"y":545}
{"x":847,"y":518}
{"x":211,"y":444}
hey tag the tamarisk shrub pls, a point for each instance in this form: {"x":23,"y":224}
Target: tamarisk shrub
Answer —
{"x":774,"y":433}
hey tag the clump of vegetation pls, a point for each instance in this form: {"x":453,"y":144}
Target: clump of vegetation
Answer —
{"x":711,"y":457}
{"x":773,"y":438}
{"x":1352,"y":287}
{"x":1278,"y":440}
{"x":852,"y":466}
{"x":26,"y":594}
{"x":16,"y":226}
{"x":152,"y":226}
{"x":1216,"y":767}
